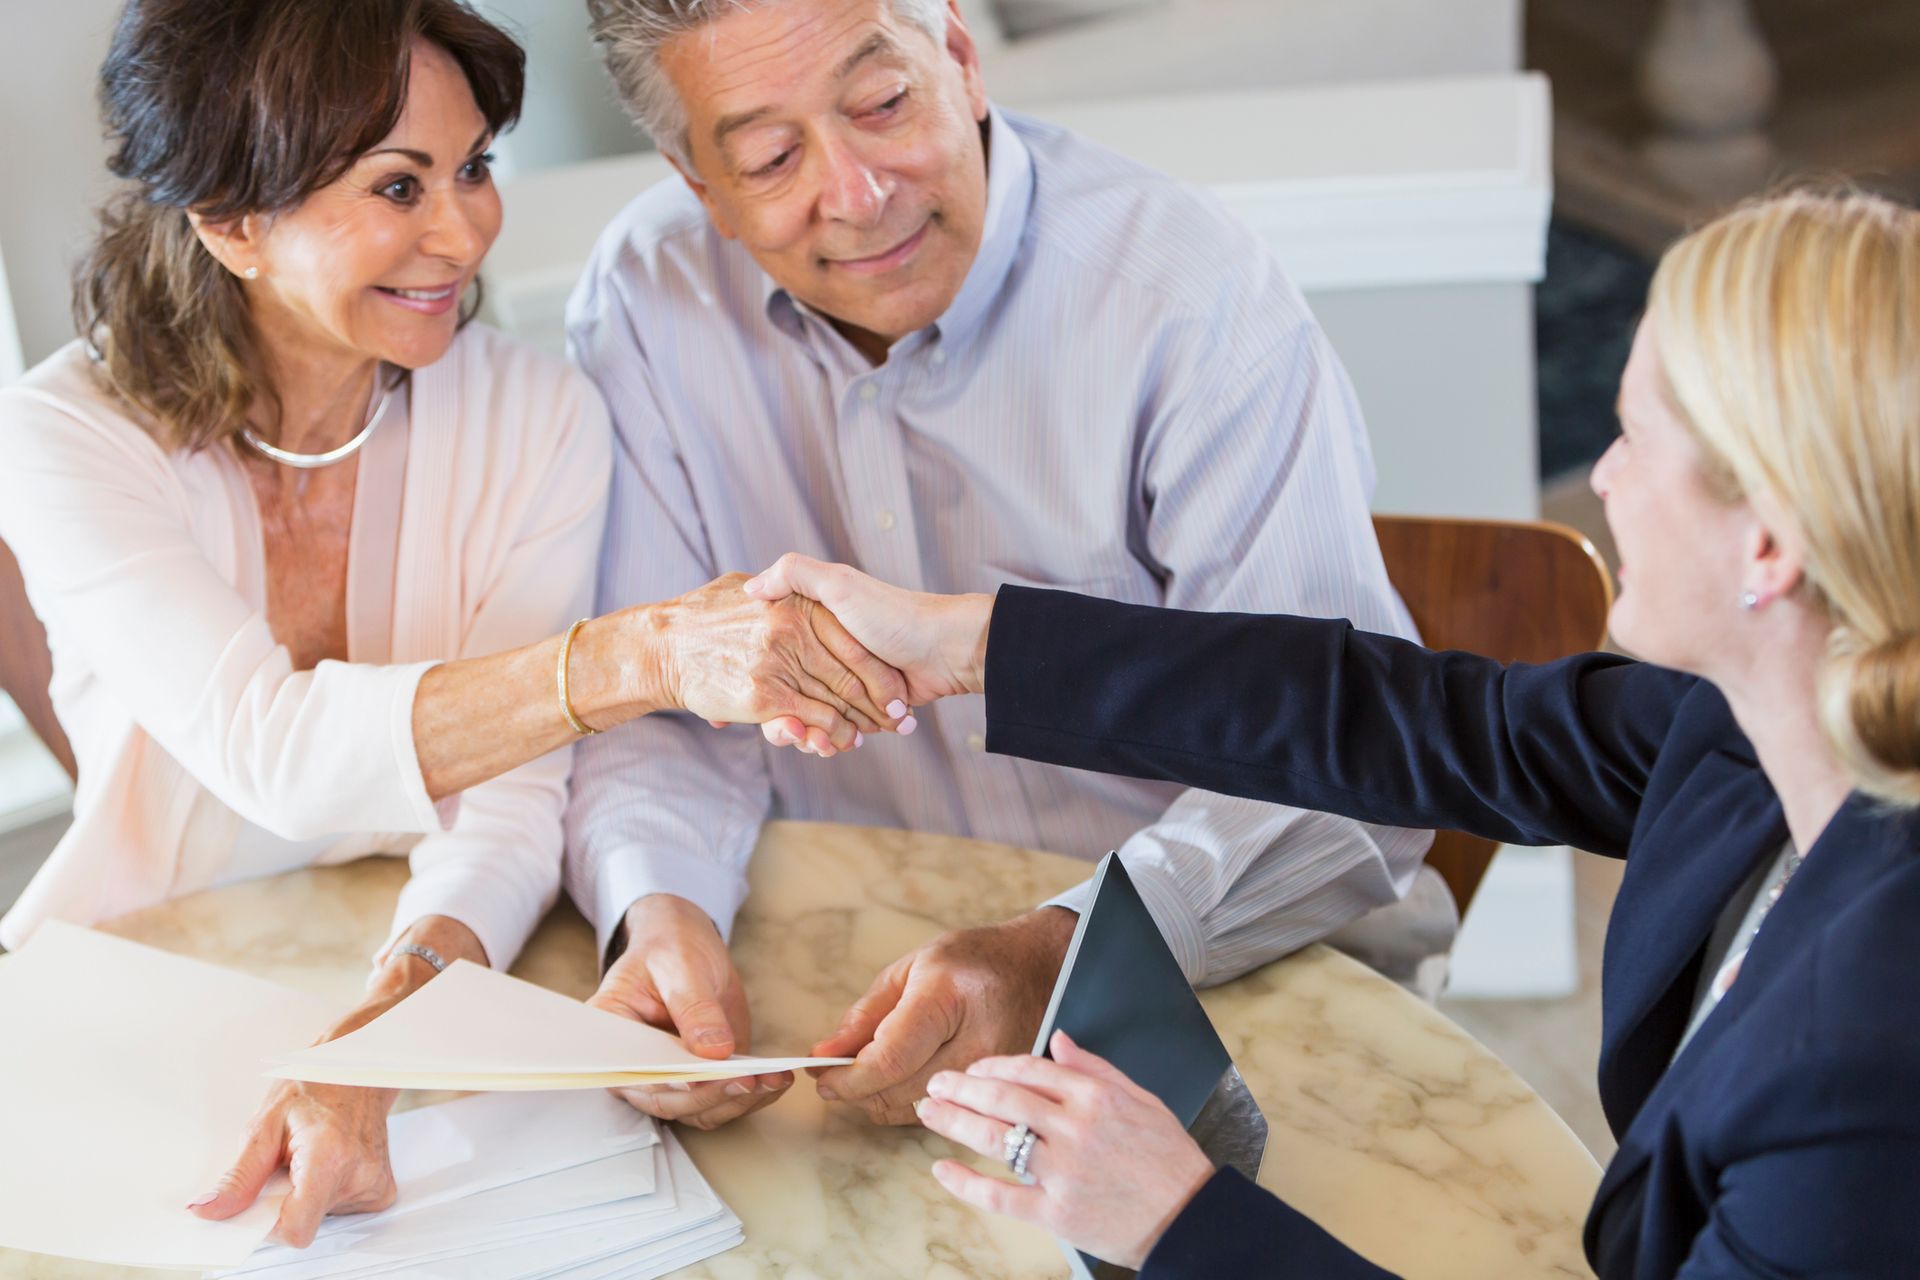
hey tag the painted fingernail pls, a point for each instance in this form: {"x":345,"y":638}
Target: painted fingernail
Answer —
{"x":859,"y":739}
{"x":739,"y":1088}
{"x":906,"y":726}
{"x":896,"y":709}
{"x":920,"y":1107}
{"x":204,"y":1200}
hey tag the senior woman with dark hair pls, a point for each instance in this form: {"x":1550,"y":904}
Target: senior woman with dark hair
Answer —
{"x":307,"y":546}
{"x":1762,"y":1004}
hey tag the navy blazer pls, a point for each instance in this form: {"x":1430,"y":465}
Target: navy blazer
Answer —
{"x":1784,"y":1142}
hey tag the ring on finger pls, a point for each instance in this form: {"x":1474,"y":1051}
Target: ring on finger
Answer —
{"x":1016,"y":1148}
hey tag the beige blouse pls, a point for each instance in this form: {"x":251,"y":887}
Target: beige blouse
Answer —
{"x":148,"y":569}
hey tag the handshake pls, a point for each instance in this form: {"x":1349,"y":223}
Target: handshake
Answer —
{"x":826,"y":656}
{"x":838,"y":655}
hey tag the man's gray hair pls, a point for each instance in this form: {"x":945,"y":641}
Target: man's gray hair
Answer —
{"x":630,"y":34}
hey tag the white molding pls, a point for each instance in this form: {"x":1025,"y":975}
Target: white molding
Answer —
{"x":1518,"y":941}
{"x":1367,"y":186}
{"x":1362,"y":186}
{"x":13,"y":360}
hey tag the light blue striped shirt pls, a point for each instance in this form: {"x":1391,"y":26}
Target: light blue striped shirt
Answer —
{"x":1127,"y":398}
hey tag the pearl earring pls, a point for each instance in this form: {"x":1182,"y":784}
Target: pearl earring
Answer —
{"x":1749,"y":601}
{"x":252,"y":273}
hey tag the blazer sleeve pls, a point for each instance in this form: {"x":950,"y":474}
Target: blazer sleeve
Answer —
{"x":1234,"y":1228}
{"x":1312,"y":713}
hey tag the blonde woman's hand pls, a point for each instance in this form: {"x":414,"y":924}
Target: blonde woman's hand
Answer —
{"x":1111,"y":1169}
{"x":730,"y":657}
{"x":938,"y":643}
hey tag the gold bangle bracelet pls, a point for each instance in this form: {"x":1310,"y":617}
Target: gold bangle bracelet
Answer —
{"x":566,"y":698}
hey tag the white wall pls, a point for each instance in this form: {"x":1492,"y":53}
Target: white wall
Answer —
{"x":51,"y":154}
{"x":12,"y":360}
{"x":1445,"y":376}
{"x":570,"y":112}
{"x":54,"y":160}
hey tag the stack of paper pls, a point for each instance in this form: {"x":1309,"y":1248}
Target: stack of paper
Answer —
{"x":129,"y":1074}
{"x":474,"y":1029}
{"x":126,"y":1082}
{"x":522,"y":1186}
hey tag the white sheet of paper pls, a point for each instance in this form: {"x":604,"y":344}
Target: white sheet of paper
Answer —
{"x":526,"y":1153}
{"x":125,"y":1088}
{"x":472,"y":1025}
{"x":698,"y":1227}
{"x":460,"y":1148}
{"x":551,"y":1205}
{"x":484,"y":1238}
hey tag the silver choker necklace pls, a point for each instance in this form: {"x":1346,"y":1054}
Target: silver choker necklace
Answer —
{"x":311,"y":461}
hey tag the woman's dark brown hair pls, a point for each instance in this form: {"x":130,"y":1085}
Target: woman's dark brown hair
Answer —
{"x":234,"y":107}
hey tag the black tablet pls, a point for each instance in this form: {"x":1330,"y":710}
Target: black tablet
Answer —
{"x":1121,"y":994}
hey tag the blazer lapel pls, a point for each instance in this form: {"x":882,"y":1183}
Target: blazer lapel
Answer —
{"x":1862,"y":843}
{"x":1705,"y":841}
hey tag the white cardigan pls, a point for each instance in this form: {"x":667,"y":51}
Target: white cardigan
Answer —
{"x":170,"y":684}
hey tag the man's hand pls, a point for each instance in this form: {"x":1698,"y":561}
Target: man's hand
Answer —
{"x":966,"y":995}
{"x":675,"y":974}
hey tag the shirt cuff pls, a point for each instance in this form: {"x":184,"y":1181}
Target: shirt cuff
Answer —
{"x":430,"y":816}
{"x":499,"y":914}
{"x":1179,"y":923}
{"x":626,"y":875}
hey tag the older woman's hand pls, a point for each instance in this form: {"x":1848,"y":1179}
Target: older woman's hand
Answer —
{"x":332,"y":1140}
{"x":938,"y":643}
{"x":1111,"y":1169}
{"x":731,"y":657}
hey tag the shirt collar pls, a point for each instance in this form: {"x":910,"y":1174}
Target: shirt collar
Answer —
{"x":1009,"y":199}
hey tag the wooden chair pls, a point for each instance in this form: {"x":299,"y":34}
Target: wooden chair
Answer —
{"x":25,"y":666}
{"x":1518,"y":592}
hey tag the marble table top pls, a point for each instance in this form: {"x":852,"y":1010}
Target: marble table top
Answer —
{"x":1391,"y":1127}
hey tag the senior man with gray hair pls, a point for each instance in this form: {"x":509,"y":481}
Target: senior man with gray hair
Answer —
{"x":886,"y":323}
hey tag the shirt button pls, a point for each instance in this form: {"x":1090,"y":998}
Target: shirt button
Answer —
{"x":884,"y":520}
{"x":976,"y":742}
{"x":869,"y":392}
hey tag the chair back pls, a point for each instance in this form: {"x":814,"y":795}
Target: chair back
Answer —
{"x":26,"y":668}
{"x":1510,"y":590}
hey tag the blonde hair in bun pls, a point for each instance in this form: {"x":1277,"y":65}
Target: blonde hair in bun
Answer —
{"x":1789,"y":332}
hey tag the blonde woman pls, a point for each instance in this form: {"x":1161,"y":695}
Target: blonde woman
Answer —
{"x":1762,"y":1000}
{"x":309,"y":549}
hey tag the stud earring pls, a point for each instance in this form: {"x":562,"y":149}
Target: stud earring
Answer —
{"x":1749,"y":601}
{"x":252,"y":273}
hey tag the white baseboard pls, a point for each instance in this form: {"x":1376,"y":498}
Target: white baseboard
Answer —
{"x":1518,"y":941}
